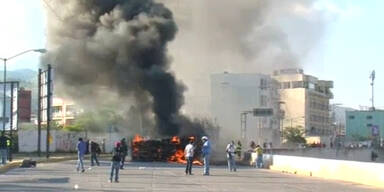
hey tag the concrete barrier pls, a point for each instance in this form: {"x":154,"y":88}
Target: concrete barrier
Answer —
{"x":359,"y":172}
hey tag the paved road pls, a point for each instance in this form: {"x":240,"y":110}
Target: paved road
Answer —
{"x":162,"y":177}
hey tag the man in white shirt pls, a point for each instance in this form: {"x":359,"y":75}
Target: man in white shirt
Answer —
{"x":231,"y":156}
{"x":188,"y":151}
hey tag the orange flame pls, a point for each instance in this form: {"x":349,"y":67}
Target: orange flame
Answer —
{"x":137,"y":139}
{"x":178,"y":157}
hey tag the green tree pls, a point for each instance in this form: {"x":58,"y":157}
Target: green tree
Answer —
{"x":294,"y":135}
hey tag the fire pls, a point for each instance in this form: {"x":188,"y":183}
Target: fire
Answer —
{"x":179,"y":156}
{"x":137,"y":139}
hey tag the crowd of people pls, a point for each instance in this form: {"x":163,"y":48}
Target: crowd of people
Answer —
{"x":120,"y":151}
{"x":119,"y":154}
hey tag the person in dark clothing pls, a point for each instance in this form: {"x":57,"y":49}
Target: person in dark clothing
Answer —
{"x":95,"y":150}
{"x":81,"y":149}
{"x":3,"y":148}
{"x":115,"y":165}
{"x":124,"y":151}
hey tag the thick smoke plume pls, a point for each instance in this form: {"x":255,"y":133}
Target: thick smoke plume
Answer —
{"x":242,"y":36}
{"x":107,"y":51}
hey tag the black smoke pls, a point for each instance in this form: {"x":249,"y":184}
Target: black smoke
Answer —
{"x":100,"y":47}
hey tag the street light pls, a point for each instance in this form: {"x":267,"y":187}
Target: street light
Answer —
{"x":5,"y":76}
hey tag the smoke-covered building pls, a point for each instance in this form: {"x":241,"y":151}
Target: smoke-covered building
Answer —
{"x":305,"y":101}
{"x":233,"y":94}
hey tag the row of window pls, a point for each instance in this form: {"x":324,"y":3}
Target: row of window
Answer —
{"x":304,"y":84}
{"x":319,"y":106}
{"x":318,"y":118}
{"x":353,"y":117}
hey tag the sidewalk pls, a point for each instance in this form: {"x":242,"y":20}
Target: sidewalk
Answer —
{"x":54,"y":157}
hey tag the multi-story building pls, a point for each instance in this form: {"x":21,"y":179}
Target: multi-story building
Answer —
{"x":63,"y":111}
{"x":305,"y":101}
{"x":234,"y":94}
{"x":363,"y":125}
{"x":24,"y":105}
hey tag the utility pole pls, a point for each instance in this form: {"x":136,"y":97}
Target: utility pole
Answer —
{"x":372,"y":77}
{"x":49,"y":96}
{"x":39,"y":113}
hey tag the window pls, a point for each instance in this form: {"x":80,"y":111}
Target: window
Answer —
{"x":351,"y":117}
{"x":369,"y":117}
{"x":369,"y":125}
{"x":297,"y":84}
{"x":71,"y":110}
{"x":263,"y":101}
{"x":56,"y":111}
{"x":263,"y":84}
{"x":286,"y":85}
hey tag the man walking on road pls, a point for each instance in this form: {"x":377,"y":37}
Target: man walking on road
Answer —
{"x":188,"y":151}
{"x":206,"y":151}
{"x":231,"y":156}
{"x":3,"y":148}
{"x":81,"y":149}
{"x":124,"y":151}
{"x":95,"y":150}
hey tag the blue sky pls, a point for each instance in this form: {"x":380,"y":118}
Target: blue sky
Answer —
{"x":351,"y":49}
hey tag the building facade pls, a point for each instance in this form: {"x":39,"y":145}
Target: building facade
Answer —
{"x":364,"y":125}
{"x":63,"y":111}
{"x":24,"y":105}
{"x":235,"y":94}
{"x":305,"y":101}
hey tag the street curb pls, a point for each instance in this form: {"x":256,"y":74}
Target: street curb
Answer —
{"x":16,"y":164}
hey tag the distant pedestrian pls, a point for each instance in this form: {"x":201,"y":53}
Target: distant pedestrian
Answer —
{"x":231,"y":156}
{"x":124,"y":151}
{"x":189,"y":151}
{"x":95,"y":150}
{"x":206,"y":151}
{"x":3,"y":148}
{"x":115,"y":164}
{"x":238,"y":149}
{"x":259,"y":159}
{"x":81,"y":149}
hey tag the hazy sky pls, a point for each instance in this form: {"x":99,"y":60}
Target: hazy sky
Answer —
{"x":351,"y":49}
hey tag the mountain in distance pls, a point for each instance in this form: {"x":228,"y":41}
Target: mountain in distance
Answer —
{"x":22,"y":75}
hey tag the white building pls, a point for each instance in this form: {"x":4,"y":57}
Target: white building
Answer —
{"x":232,"y":94}
{"x":305,"y":101}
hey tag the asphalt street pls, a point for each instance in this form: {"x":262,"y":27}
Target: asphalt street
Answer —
{"x":164,"y":177}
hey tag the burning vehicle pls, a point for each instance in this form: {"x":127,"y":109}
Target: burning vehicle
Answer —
{"x":163,"y":150}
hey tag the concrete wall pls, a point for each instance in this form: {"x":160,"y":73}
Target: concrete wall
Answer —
{"x":351,"y":171}
{"x":328,"y":153}
{"x":63,"y":141}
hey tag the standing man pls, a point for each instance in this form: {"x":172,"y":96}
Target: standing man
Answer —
{"x":95,"y":149}
{"x":238,"y":149}
{"x":188,"y":151}
{"x":3,"y":148}
{"x":231,"y":156}
{"x":81,"y":149}
{"x":206,"y":151}
{"x":259,"y":160}
{"x":124,"y":151}
{"x":115,"y":164}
